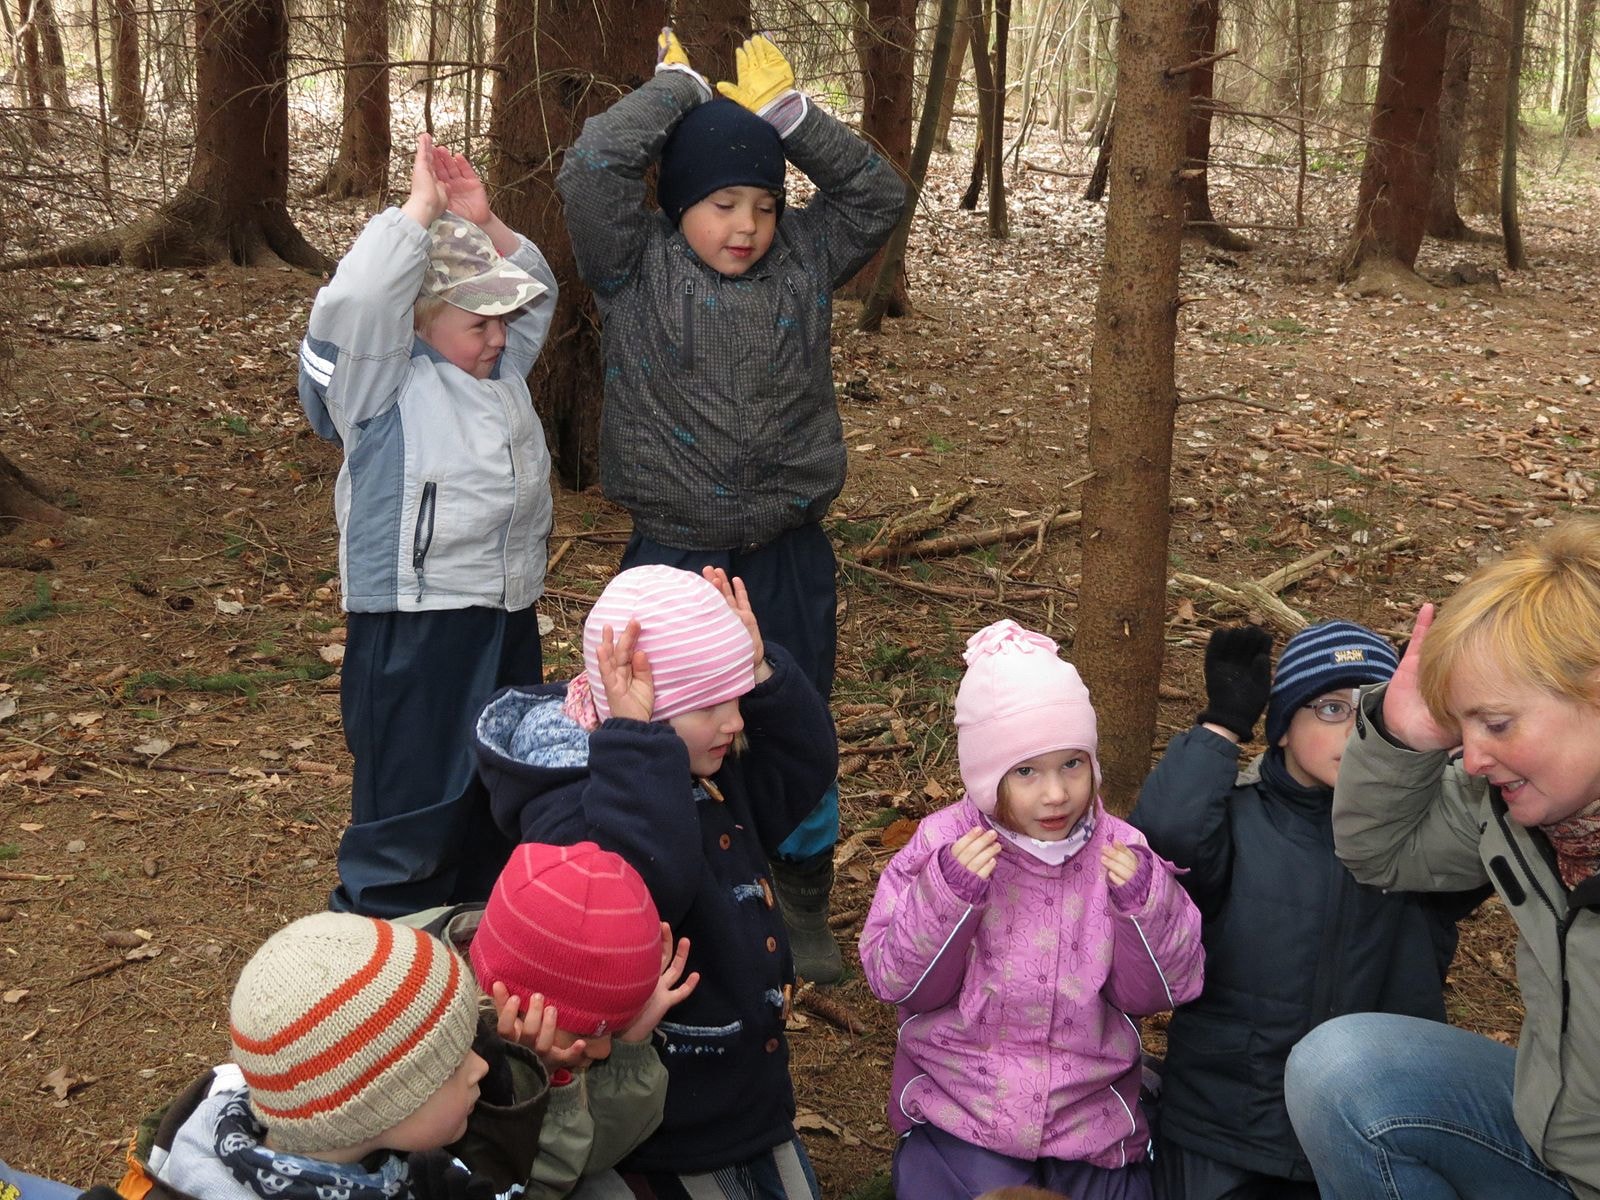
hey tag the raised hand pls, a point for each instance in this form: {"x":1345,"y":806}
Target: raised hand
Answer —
{"x":465,"y":193}
{"x":536,"y":1030}
{"x":671,"y":989}
{"x":429,"y":197}
{"x":978,"y":850}
{"x":1121,"y":864}
{"x":625,"y":672}
{"x":1238,"y":679}
{"x":733,"y":591}
{"x":1405,"y":715}
{"x":763,"y":75}
{"x":670,"y":56}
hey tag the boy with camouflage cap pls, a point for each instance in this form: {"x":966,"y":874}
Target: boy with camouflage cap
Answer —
{"x":415,"y":362}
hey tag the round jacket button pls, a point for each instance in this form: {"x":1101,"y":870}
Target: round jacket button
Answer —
{"x":772,"y":944}
{"x":724,"y":841}
{"x":772,"y":1045}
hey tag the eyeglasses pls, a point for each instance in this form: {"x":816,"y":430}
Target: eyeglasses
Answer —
{"x":1332,"y":712}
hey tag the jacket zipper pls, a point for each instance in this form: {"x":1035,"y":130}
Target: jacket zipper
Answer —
{"x":799,"y":323}
{"x":423,"y":536}
{"x":1562,"y":925}
{"x":686,"y":354}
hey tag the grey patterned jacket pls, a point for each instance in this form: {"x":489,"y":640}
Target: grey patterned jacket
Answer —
{"x":720,"y":428}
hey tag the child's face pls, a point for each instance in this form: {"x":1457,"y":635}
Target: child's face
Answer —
{"x":1540,"y":748}
{"x":1312,"y":745}
{"x":732,"y":229}
{"x":469,"y":340}
{"x":709,"y":733}
{"x":442,"y":1119}
{"x":1045,"y":796}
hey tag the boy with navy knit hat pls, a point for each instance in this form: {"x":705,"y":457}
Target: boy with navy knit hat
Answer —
{"x":1291,"y":938}
{"x":361,"y":1069}
{"x":720,"y":433}
{"x":415,"y":363}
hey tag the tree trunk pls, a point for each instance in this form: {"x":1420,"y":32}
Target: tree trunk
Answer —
{"x":959,"y":37}
{"x":1510,"y":222}
{"x":710,"y":33}
{"x":1577,"y":108}
{"x":30,"y":74}
{"x":1314,"y":16}
{"x":1479,"y":183}
{"x":563,"y":63}
{"x":1200,"y":40}
{"x":1132,"y":399}
{"x":362,"y":167}
{"x":1444,"y":221}
{"x":887,"y":50}
{"x":893,"y":263}
{"x":234,"y":205}
{"x":983,"y":74}
{"x":127,"y":86}
{"x":995,"y":147}
{"x":1356,"y":69}
{"x":50,"y":50}
{"x":1396,"y":179}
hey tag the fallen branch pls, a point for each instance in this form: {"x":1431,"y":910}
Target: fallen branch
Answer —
{"x":833,"y":1011}
{"x":29,"y":877}
{"x":1250,"y":596}
{"x":964,"y":594}
{"x":1010,"y":532}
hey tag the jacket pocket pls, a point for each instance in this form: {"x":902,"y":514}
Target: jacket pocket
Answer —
{"x":686,"y":344}
{"x":422,"y":534}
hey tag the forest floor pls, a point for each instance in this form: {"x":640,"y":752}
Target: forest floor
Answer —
{"x":173,"y":781}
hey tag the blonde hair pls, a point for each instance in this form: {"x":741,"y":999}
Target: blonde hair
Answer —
{"x":1534,"y":614}
{"x":427,"y":307}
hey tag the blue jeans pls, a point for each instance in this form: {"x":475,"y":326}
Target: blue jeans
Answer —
{"x":32,"y":1187}
{"x":1398,"y":1108}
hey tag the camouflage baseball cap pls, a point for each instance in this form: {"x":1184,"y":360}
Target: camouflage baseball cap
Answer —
{"x":466,"y":270}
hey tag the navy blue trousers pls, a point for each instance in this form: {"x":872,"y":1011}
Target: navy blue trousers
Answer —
{"x":792,"y":592}
{"x":420,"y":832}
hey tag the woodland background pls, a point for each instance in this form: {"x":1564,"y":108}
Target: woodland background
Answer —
{"x":1280,"y":310}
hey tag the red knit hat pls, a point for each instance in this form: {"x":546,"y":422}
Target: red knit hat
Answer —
{"x":577,"y":925}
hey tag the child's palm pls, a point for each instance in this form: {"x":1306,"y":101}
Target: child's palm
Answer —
{"x":625,"y":673}
{"x":466,"y":194}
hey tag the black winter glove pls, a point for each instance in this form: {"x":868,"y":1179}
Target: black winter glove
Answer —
{"x":435,"y":1175}
{"x":1238,"y":678}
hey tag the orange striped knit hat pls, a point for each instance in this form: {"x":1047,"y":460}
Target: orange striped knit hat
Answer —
{"x":344,"y":1026}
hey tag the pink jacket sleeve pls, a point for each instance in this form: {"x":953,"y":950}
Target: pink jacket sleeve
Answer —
{"x":1158,"y":962}
{"x":923,"y":919}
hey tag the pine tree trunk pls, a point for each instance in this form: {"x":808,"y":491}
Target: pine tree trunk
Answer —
{"x":710,"y":33}
{"x":561,"y":65}
{"x":999,"y":218}
{"x":127,"y":86}
{"x":52,"y":54}
{"x":887,"y":49}
{"x":1200,"y":37}
{"x":1510,"y":221}
{"x":30,"y":75}
{"x":1357,"y":67}
{"x":983,"y":75}
{"x":1132,"y":399}
{"x":362,"y":167}
{"x":960,"y":35}
{"x":1444,"y":220}
{"x":1397,"y":177}
{"x":1479,"y":183}
{"x":1576,"y":122}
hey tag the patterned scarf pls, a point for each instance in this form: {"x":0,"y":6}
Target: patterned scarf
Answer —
{"x":276,"y":1175}
{"x":1577,"y":845}
{"x":1052,"y":853}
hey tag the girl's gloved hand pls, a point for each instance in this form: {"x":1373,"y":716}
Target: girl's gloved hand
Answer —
{"x":670,"y":56}
{"x":765,"y":85}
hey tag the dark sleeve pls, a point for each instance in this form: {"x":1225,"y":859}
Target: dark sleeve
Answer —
{"x":1182,"y":811}
{"x":859,"y":194}
{"x":793,"y":752}
{"x":503,"y":1131}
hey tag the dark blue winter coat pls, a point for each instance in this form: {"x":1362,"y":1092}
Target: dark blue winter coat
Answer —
{"x":1291,"y":940}
{"x":702,"y":849}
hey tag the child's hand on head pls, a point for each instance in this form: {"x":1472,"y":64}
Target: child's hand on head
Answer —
{"x":1121,"y":864}
{"x":536,"y":1030}
{"x":978,"y":850}
{"x":429,"y":197}
{"x":733,"y":591}
{"x":625,"y":672}
{"x":1405,"y":715}
{"x":465,"y":193}
{"x":671,"y":989}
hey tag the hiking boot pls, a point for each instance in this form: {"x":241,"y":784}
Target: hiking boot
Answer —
{"x":803,"y":889}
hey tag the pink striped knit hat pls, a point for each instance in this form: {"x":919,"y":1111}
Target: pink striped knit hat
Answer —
{"x":575,"y":924}
{"x":700,"y":652}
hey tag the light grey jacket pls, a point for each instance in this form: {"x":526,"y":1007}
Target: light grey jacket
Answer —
{"x":1418,"y":822}
{"x":443,"y":500}
{"x":720,"y":428}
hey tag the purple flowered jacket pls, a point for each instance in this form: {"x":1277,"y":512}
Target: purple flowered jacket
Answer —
{"x":1015,"y":991}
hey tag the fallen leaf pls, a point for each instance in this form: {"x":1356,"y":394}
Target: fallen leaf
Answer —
{"x":30,"y":827}
{"x":302,"y":743}
{"x":897,"y":833}
{"x":228,"y":608}
{"x":77,"y":846}
{"x":145,"y":951}
{"x":333,"y":654}
{"x":82,"y":720}
{"x":155,"y":747}
{"x":8,"y":707}
{"x":151,"y":867}
{"x":14,"y":996}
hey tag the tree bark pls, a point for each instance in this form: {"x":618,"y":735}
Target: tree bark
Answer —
{"x":710,"y":33}
{"x":1479,"y":183}
{"x":1357,"y":66}
{"x":1444,"y":220}
{"x":1396,"y":179}
{"x":892,"y":264}
{"x":234,"y":206}
{"x":563,"y":63}
{"x":52,"y":54}
{"x":959,"y":37}
{"x":1576,"y":122}
{"x":1122,"y":606}
{"x":362,"y":167}
{"x":983,"y":75}
{"x":30,"y":75}
{"x":887,"y":50}
{"x":1510,"y":222}
{"x":995,"y":147}
{"x":127,"y":86}
{"x":1200,"y":37}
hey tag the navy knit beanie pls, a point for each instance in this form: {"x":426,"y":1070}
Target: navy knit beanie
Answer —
{"x":719,"y":144}
{"x":1319,"y":659}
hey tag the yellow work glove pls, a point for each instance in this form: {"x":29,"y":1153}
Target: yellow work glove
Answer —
{"x":765,"y":85}
{"x":670,"y":56}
